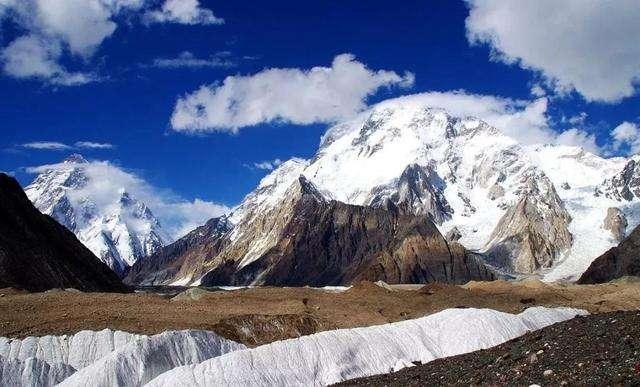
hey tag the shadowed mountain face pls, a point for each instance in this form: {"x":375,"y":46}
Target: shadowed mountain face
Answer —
{"x":622,"y":260}
{"x":332,"y":243}
{"x":37,"y":253}
{"x":319,"y":242}
{"x":199,"y":245}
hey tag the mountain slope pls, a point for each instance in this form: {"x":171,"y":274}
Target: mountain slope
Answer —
{"x":118,"y":229}
{"x":201,"y":244}
{"x":37,"y":253}
{"x":331,"y":243}
{"x":531,"y":209}
{"x":622,"y":260}
{"x":307,"y":239}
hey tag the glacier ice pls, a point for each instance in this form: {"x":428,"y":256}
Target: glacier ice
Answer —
{"x":104,"y":358}
{"x":333,"y":356}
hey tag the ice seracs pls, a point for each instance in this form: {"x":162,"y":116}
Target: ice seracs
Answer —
{"x":104,"y":358}
{"x":119,"y":230}
{"x":334,"y":356}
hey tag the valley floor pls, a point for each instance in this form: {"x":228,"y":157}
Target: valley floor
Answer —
{"x":261,"y":315}
{"x":600,"y":349}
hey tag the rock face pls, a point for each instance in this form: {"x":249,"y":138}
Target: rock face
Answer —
{"x":624,"y":186}
{"x":37,"y":253}
{"x":333,"y":243}
{"x":616,"y":223}
{"x":119,"y":230}
{"x":620,"y":261}
{"x":534,"y":232}
{"x":308,"y":239}
{"x":195,"y":248}
{"x":418,"y":188}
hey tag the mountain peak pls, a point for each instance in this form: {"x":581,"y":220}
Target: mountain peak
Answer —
{"x":75,"y":158}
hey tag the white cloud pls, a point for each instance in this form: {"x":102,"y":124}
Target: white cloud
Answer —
{"x":93,"y":145}
{"x":106,"y":182}
{"x":583,"y":45}
{"x":321,"y":94}
{"x":187,"y":59}
{"x":59,"y":146}
{"x":268,"y":165}
{"x":626,"y":134}
{"x":183,"y":12}
{"x":537,"y":91}
{"x":71,"y":31}
{"x":577,"y":137}
{"x":525,"y":121}
{"x":47,"y":145}
{"x":33,"y":57}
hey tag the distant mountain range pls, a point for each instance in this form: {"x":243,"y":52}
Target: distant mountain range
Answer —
{"x":119,"y":229}
{"x":383,"y":189}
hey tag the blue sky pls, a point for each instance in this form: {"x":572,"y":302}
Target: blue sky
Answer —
{"x":132,"y":77}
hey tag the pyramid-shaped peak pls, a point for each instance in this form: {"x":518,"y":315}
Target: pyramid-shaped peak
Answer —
{"x":75,"y":158}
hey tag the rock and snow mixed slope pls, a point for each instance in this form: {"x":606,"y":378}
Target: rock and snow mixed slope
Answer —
{"x":104,"y":358}
{"x":330,"y":357}
{"x":119,"y":230}
{"x":304,"y":238}
{"x":532,"y":209}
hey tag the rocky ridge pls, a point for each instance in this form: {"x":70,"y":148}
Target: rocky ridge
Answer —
{"x":37,"y":253}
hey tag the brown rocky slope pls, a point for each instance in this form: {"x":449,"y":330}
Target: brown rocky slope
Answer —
{"x":333,"y":243}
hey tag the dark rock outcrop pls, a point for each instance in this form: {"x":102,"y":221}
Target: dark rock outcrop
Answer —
{"x":625,"y":186}
{"x":37,"y":253}
{"x":198,"y":246}
{"x":333,"y":243}
{"x":622,"y":260}
{"x":616,"y":223}
{"x":418,"y":188}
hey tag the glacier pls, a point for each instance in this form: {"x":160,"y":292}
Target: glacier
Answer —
{"x":104,"y":358}
{"x":333,"y":356}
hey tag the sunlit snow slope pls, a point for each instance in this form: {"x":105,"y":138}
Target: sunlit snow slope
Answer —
{"x":467,"y":175}
{"x":119,"y":229}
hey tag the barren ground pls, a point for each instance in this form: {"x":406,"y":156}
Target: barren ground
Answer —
{"x":261,"y":315}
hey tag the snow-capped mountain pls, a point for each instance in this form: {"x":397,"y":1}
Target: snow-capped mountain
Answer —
{"x":531,"y":209}
{"x":118,"y":229}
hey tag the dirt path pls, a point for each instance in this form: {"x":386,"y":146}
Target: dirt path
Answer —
{"x":260,"y":315}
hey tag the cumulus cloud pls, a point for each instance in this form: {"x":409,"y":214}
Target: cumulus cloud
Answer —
{"x":524,"y":120}
{"x":626,"y":135}
{"x":59,"y":146}
{"x":582,"y":45}
{"x":317,"y":95}
{"x":183,"y":12}
{"x":188,"y":60}
{"x":71,"y":31}
{"x":34,"y":57}
{"x":106,"y":181}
